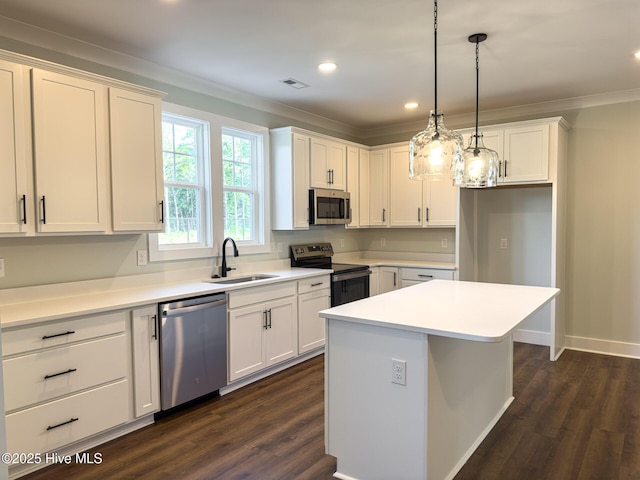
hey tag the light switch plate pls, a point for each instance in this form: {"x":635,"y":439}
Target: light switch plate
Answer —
{"x":1,"y":267}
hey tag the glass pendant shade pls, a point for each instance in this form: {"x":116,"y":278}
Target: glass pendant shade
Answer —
{"x":434,"y":152}
{"x":480,"y":165}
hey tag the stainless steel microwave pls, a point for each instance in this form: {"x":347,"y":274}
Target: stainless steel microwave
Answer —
{"x":329,"y":207}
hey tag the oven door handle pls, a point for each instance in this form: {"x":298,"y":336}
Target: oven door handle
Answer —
{"x":350,"y":275}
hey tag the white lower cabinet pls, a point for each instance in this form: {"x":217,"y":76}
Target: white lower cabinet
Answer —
{"x":388,"y":279}
{"x":413,"y":276}
{"x":263,"y":328}
{"x":65,"y":381}
{"x":54,"y":424}
{"x":146,"y":361}
{"x":313,"y":295}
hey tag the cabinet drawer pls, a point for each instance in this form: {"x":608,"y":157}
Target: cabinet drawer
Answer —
{"x":426,"y":274}
{"x":52,"y":334}
{"x":54,"y":424}
{"x":261,"y":294}
{"x":41,"y":376}
{"x":315,"y":283}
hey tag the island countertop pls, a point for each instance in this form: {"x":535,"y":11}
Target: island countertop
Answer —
{"x":485,"y":312}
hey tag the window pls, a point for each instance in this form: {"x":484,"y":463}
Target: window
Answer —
{"x":240,"y":171}
{"x":184,"y":182}
{"x":216,"y":185}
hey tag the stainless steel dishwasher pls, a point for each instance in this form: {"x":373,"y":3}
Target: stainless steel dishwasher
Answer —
{"x":193,"y":348}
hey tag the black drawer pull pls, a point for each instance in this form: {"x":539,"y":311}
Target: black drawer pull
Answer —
{"x":69,"y":332}
{"x":23,"y":200}
{"x":51,"y":427}
{"x":425,"y":276}
{"x":316,"y":284}
{"x":60,"y":373}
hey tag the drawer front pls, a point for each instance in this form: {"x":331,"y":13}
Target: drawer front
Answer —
{"x":52,"y":334}
{"x":426,"y":274}
{"x":261,"y":294}
{"x":315,"y":283}
{"x":42,"y":376}
{"x":53,"y":425}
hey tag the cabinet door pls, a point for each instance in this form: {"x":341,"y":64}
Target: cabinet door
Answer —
{"x":363,"y":178}
{"x":405,"y":200}
{"x":146,"y":363}
{"x":319,"y":163}
{"x":137,"y":185}
{"x":388,"y":279}
{"x":13,"y":156}
{"x":300,"y":181}
{"x":311,"y":328}
{"x":246,"y":341}
{"x":69,"y":129}
{"x":379,"y":187}
{"x":337,"y":165}
{"x":282,"y":331}
{"x":353,"y":185}
{"x":440,"y":198}
{"x":526,"y":154}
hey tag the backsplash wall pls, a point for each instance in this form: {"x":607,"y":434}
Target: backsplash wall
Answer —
{"x":45,"y":260}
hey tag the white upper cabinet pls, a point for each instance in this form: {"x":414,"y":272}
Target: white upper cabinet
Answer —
{"x":137,"y":184}
{"x":328,"y":164}
{"x":379,"y":188}
{"x":70,"y":153}
{"x":289,"y":179}
{"x":526,"y":154}
{"x":523,"y":151}
{"x":66,"y":136}
{"x":15,"y":199}
{"x":353,"y":184}
{"x":414,"y":203}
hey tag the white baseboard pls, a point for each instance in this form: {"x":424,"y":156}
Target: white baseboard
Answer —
{"x":532,"y":336}
{"x":606,"y":347}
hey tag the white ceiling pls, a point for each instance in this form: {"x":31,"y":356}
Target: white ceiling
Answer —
{"x":537,"y":51}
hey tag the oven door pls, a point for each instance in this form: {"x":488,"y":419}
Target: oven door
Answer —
{"x":350,"y":286}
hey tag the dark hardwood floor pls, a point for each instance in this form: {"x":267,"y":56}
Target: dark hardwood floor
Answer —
{"x":578,"y":418}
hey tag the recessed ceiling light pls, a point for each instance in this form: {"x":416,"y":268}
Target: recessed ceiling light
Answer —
{"x":637,"y":54}
{"x":327,"y":67}
{"x":411,"y":105}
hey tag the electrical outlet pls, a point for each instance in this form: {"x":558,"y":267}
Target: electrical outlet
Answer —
{"x":444,"y":243}
{"x":398,"y":371}
{"x":504,"y":243}
{"x":279,"y":247}
{"x":142,"y":257}
{"x":383,"y":242}
{"x":342,"y":243}
{"x":1,"y":267}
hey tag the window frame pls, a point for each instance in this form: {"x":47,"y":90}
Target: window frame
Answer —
{"x":214,"y":197}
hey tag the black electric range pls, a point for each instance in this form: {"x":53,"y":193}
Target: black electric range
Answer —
{"x":349,"y":282}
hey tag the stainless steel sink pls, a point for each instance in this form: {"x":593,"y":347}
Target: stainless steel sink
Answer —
{"x":248,"y":278}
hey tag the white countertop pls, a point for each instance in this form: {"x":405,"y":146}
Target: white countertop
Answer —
{"x":39,"y":308}
{"x":485,"y":312}
{"x":379,"y":259}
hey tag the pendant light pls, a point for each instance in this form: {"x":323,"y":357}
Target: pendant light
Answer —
{"x":435,"y":153}
{"x":480,"y":164}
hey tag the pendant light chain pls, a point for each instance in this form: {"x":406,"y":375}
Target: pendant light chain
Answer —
{"x":435,"y":60}
{"x":477,"y":85}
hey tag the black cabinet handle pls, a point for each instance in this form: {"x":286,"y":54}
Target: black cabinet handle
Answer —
{"x":24,"y":209}
{"x":316,"y":284}
{"x":426,"y":215}
{"x":505,"y":169}
{"x":269,"y":317}
{"x":418,"y":214}
{"x":161,"y":211}
{"x":425,"y":276}
{"x":155,"y":327}
{"x":264,"y":319}
{"x":500,"y":168}
{"x":58,"y":335}
{"x":71,"y":370}
{"x":44,"y":210}
{"x":51,"y":427}
{"x":384,"y":210}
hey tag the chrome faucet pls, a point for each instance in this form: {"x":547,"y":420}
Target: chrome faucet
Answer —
{"x":225,"y":269}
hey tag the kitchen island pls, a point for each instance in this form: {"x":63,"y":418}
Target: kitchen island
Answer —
{"x":416,"y":378}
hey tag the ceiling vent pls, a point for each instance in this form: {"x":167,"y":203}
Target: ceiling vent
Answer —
{"x":292,"y":82}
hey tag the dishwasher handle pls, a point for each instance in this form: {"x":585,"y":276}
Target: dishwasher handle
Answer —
{"x":193,"y":308}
